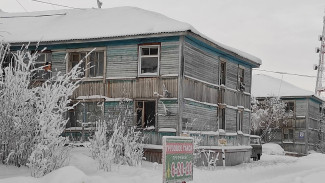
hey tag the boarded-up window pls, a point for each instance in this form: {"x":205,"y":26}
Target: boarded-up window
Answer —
{"x":149,"y":60}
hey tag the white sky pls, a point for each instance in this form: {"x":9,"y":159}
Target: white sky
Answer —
{"x":283,"y":33}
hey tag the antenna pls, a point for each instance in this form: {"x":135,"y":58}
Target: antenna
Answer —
{"x":320,"y":82}
{"x":99,"y":4}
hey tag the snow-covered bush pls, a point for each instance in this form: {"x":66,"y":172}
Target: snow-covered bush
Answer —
{"x":32,"y":118}
{"x":267,"y":116}
{"x":117,"y":142}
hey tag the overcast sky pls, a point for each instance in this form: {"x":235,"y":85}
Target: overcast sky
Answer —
{"x":283,"y":33}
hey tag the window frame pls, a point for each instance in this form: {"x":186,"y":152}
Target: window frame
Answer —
{"x":223,"y":72}
{"x":143,"y":113}
{"x":286,"y":131}
{"x":240,"y":119}
{"x":140,"y":56}
{"x":47,"y":59}
{"x":87,"y":62}
{"x":241,"y":78}
{"x":222,"y":117}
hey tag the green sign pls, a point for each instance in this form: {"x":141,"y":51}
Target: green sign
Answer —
{"x":177,"y":159}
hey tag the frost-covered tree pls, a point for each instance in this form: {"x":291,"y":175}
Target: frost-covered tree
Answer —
{"x":32,"y":118}
{"x":117,"y":142}
{"x":267,"y":116}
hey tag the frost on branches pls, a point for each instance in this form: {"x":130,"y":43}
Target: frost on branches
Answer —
{"x":32,"y":116}
{"x":116,"y":142}
{"x":268,"y":116}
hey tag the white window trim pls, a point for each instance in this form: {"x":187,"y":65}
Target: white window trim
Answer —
{"x":148,"y":56}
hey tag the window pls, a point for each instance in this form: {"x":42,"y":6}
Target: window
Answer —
{"x":239,"y":120}
{"x":241,"y":85}
{"x":43,"y":66}
{"x":146,"y":111}
{"x":290,"y":107}
{"x":287,"y":134}
{"x":223,"y":73}
{"x":222,"y":118}
{"x":93,"y":65}
{"x":149,"y":60}
{"x":85,"y":114}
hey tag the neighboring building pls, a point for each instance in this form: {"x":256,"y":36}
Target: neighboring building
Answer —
{"x":175,"y":79}
{"x":305,"y":129}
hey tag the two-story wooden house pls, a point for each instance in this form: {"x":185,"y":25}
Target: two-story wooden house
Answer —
{"x":304,"y":130}
{"x":176,"y":80}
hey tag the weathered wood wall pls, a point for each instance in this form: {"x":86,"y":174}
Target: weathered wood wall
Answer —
{"x":199,"y":116}
{"x":231,"y":120}
{"x":142,"y":87}
{"x":88,"y":88}
{"x":167,"y":113}
{"x":200,"y":91}
{"x":200,"y":64}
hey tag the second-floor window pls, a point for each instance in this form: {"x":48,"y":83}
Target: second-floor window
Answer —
{"x":149,"y":56}
{"x":93,"y":65}
{"x":290,"y":107}
{"x":43,"y":66}
{"x":241,"y":85}
{"x":223,"y":73}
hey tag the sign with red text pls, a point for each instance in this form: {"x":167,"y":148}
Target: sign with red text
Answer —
{"x":177,"y":159}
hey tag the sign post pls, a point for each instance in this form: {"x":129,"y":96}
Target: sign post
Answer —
{"x":177,"y":159}
{"x":223,"y":142}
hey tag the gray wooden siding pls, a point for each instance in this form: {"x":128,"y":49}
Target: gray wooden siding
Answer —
{"x":246,"y":123}
{"x":200,"y":65}
{"x":115,"y":109}
{"x":247,"y":79}
{"x":199,"y":117}
{"x":231,"y":75}
{"x":89,"y":88}
{"x":200,"y":91}
{"x":237,"y":98}
{"x":58,"y":63}
{"x":167,"y":119}
{"x":313,"y":109}
{"x":122,"y":61}
{"x":231,"y":120}
{"x":301,"y":107}
{"x":142,"y":87}
{"x":169,"y":60}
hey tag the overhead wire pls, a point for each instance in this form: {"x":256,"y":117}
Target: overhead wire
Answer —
{"x":21,"y":5}
{"x":279,"y":72}
{"x":54,"y":4}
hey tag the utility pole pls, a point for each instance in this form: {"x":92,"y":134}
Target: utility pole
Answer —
{"x":320,"y":82}
{"x":99,"y":4}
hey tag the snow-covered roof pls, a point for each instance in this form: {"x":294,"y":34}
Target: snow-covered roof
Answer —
{"x":267,"y":86}
{"x":85,"y":24}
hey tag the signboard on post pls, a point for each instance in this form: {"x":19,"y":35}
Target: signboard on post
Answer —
{"x":177,"y":159}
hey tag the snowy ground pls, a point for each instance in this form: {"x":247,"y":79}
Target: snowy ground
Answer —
{"x":271,"y":168}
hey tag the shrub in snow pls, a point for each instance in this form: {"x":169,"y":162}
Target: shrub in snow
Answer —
{"x":267,"y":116}
{"x":32,"y":118}
{"x":116,"y":142}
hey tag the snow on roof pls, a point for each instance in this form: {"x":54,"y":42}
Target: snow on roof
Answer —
{"x":84,"y":24}
{"x":267,"y":86}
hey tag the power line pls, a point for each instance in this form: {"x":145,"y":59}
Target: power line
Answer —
{"x":27,"y":16}
{"x":278,"y":72}
{"x":55,"y":4}
{"x":21,"y":5}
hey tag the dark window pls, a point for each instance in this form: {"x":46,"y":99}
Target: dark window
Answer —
{"x":223,"y":73}
{"x":222,"y":118}
{"x":85,"y":114}
{"x":240,"y":120}
{"x":93,"y":65}
{"x":290,"y":107}
{"x":149,"y":60}
{"x":241,"y":85}
{"x":146,"y":111}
